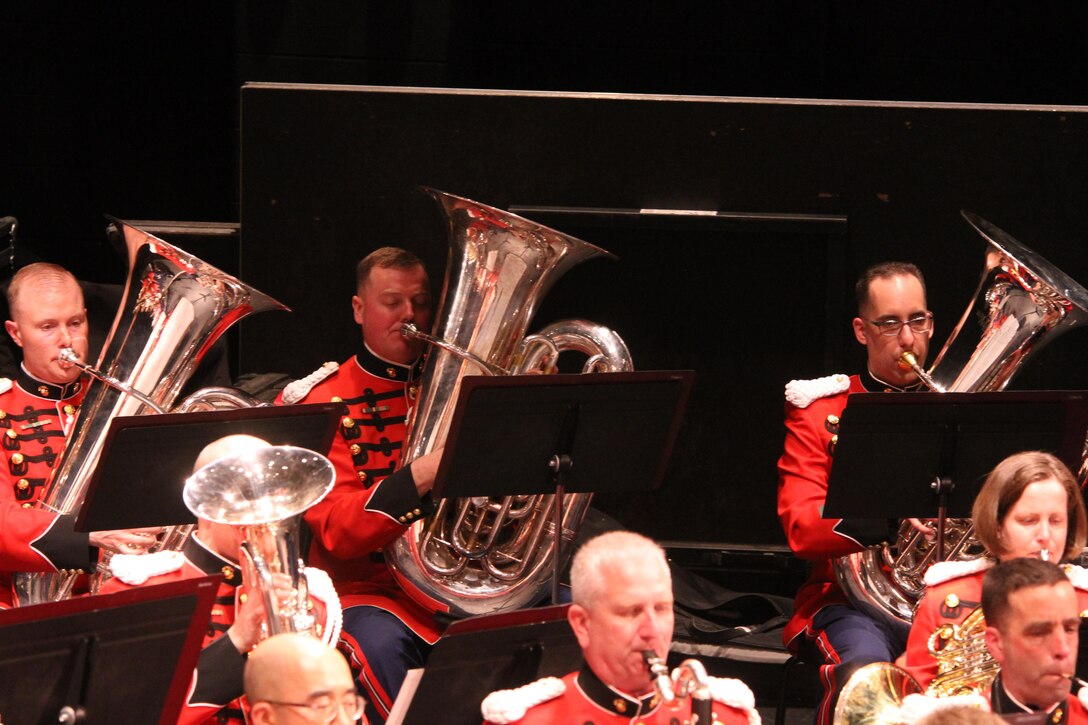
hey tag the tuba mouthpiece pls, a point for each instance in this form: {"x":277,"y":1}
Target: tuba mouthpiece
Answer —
{"x":660,"y":674}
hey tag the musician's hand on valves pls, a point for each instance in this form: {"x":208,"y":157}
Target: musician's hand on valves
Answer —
{"x":249,"y":622}
{"x":424,"y":470}
{"x":126,"y":541}
{"x":926,"y":527}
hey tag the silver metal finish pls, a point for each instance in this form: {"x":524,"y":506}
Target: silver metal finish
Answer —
{"x":483,"y":555}
{"x":173,"y":309}
{"x":264,"y":492}
{"x":1022,"y":303}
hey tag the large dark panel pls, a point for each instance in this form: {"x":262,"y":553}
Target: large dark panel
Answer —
{"x":747,"y":301}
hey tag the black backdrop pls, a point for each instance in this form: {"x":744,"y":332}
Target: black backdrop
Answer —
{"x":807,"y":194}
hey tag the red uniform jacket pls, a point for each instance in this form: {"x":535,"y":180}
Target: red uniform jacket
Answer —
{"x":581,"y":697}
{"x":803,"y":469}
{"x":35,"y":420}
{"x":953,"y":591}
{"x":372,"y":502}
{"x":216,"y":689}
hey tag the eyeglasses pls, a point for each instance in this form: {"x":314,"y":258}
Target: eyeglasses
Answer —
{"x":891,"y":328}
{"x":326,"y":708}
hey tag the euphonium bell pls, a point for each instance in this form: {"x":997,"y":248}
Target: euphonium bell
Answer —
{"x":476,"y":556}
{"x":264,"y":492}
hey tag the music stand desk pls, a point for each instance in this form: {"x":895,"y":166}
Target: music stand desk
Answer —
{"x":125,"y":657}
{"x":145,"y":459}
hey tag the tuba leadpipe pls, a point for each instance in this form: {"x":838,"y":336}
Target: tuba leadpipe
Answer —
{"x":174,"y":307}
{"x":480,"y":555}
{"x":688,"y":680}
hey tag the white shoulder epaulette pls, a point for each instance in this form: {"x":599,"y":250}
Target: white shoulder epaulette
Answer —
{"x":944,"y":571}
{"x":802,"y":393}
{"x":1078,"y":576}
{"x":735,"y":694}
{"x":135,"y":569}
{"x":507,"y":706}
{"x":5,"y":385}
{"x":917,"y":706}
{"x":319,"y":585}
{"x":299,"y":389}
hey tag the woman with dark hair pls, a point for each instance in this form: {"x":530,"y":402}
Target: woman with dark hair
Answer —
{"x":1029,"y":506}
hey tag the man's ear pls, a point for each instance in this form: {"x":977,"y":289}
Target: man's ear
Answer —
{"x":357,"y":309}
{"x":13,"y":330}
{"x":993,"y":643}
{"x":860,"y":332}
{"x":579,"y":622}
{"x":261,"y":714}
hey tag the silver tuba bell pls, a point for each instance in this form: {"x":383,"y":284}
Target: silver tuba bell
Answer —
{"x":263,"y":492}
{"x":174,"y":307}
{"x":477,"y":556}
{"x":1022,"y":303}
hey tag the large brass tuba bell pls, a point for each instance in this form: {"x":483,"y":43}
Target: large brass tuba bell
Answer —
{"x":476,"y":556}
{"x":264,"y":492}
{"x":1022,"y":303}
{"x":174,"y":307}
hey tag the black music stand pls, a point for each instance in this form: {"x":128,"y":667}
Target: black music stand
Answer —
{"x":545,"y":434}
{"x":925,"y":455}
{"x":124,"y":657}
{"x":479,"y":655}
{"x":145,"y":459}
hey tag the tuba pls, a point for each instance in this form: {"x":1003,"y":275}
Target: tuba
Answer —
{"x":264,"y":493}
{"x":481,"y":555}
{"x":173,"y":309}
{"x":1022,"y":303}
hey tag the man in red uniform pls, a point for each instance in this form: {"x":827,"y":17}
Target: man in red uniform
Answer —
{"x":622,"y":592}
{"x":892,"y":319}
{"x":37,"y":411}
{"x":216,"y":688}
{"x":386,"y":633}
{"x":1032,"y":624}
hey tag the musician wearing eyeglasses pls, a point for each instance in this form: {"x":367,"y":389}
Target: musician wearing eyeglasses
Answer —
{"x":374,"y":500}
{"x":1032,"y":627}
{"x":291,"y":678}
{"x":37,"y":413}
{"x":622,"y":617}
{"x":1029,"y":506}
{"x":238,"y":619}
{"x":892,"y":319}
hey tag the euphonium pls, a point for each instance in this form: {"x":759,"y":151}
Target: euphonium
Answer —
{"x":173,"y":309}
{"x":264,"y":492}
{"x":1022,"y":302}
{"x":482,"y":555}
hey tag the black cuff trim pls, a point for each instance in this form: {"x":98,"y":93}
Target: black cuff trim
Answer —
{"x":867,"y":532}
{"x":219,"y":673}
{"x":66,"y":549}
{"x":396,"y":496}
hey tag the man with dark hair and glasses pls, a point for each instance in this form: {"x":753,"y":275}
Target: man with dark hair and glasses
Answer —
{"x":294,"y":678}
{"x":892,"y":319}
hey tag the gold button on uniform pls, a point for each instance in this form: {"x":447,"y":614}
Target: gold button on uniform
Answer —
{"x":355,"y":448}
{"x":337,"y":399}
{"x":951,"y":601}
{"x":619,"y":705}
{"x":243,"y":597}
{"x":402,"y":520}
{"x":3,"y":414}
{"x":347,"y":422}
{"x":17,"y":458}
{"x":833,"y":419}
{"x":22,"y":484}
{"x":69,"y":409}
{"x":362,"y":476}
{"x":12,"y":434}
{"x":228,"y":573}
{"x":43,"y":391}
{"x":391,"y":372}
{"x":26,"y":505}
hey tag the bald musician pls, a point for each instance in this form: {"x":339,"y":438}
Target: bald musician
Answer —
{"x":37,"y":413}
{"x":291,"y":678}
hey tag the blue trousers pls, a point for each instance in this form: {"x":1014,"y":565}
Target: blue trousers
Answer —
{"x":845,"y":640}
{"x":381,"y":649}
